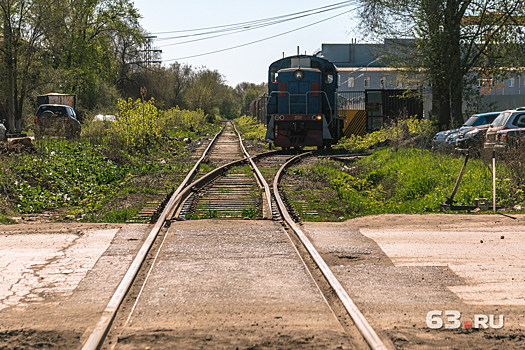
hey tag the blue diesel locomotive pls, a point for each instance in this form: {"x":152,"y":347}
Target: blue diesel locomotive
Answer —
{"x":302,"y":103}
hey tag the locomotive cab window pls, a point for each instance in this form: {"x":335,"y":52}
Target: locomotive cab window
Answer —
{"x":328,"y":74}
{"x":301,"y":62}
{"x":274,"y":74}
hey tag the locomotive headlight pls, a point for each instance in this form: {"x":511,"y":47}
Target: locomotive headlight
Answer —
{"x":319,"y":117}
{"x":276,"y":117}
{"x":298,"y":74}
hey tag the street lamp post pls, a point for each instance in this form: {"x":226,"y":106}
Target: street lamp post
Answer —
{"x":352,"y":72}
{"x":358,"y":69}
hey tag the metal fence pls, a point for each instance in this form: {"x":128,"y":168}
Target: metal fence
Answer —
{"x":351,"y":100}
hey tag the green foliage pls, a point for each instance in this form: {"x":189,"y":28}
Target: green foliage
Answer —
{"x":141,"y":125}
{"x":81,"y":178}
{"x":360,"y":144}
{"x":451,"y":43}
{"x":6,"y":221}
{"x":206,"y":91}
{"x":190,"y":120}
{"x":138,"y":124}
{"x":249,"y":213}
{"x":403,"y":182}
{"x":66,"y":174}
{"x":116,"y":216}
{"x":250,"y":128}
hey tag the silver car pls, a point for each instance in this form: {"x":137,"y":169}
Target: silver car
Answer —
{"x":510,"y":119}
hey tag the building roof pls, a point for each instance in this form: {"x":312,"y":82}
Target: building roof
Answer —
{"x":364,"y":69}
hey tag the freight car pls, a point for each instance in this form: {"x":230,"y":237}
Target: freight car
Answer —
{"x":301,"y":108}
{"x":257,"y":108}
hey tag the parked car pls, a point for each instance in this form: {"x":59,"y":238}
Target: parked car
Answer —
{"x":510,"y":119}
{"x":439,"y":140}
{"x":510,"y":139}
{"x":472,"y":138}
{"x":3,"y":131}
{"x":56,"y":120}
{"x":449,"y":137}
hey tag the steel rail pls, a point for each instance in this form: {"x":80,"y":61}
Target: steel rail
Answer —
{"x":260,"y":177}
{"x":360,"y":321}
{"x":99,"y":333}
{"x":207,"y":178}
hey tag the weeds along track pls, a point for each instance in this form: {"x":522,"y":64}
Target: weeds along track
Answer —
{"x":234,"y":194}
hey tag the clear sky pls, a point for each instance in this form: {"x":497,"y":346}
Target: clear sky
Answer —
{"x":248,"y":63}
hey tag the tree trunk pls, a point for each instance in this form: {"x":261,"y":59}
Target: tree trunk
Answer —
{"x":443,"y":107}
{"x":456,"y":78}
{"x":10,"y":98}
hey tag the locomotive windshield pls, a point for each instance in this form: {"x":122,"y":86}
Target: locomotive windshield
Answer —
{"x":301,"y":62}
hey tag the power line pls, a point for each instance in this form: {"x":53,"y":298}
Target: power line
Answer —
{"x":230,"y":32}
{"x":258,"y":41}
{"x":243,"y":24}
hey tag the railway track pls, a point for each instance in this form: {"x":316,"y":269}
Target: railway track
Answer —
{"x":236,"y":188}
{"x":234,"y":194}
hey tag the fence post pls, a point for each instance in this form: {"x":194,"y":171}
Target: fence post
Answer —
{"x":494,"y":181}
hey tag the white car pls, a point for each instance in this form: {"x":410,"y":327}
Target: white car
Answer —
{"x":105,"y":117}
{"x":3,"y":132}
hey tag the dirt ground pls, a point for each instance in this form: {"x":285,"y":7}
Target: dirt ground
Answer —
{"x":398,"y":268}
{"x":395,"y":296}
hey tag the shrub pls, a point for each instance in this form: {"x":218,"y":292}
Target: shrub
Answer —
{"x":250,"y":128}
{"x":401,"y":130}
{"x":137,"y":125}
{"x":191,"y":120}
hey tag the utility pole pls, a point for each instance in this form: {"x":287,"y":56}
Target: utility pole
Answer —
{"x":148,"y":60}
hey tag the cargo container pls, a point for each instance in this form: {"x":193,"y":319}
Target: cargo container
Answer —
{"x":58,"y":99}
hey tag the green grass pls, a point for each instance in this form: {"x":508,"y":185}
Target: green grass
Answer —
{"x":405,"y":181}
{"x":115,"y":216}
{"x":110,"y":172}
{"x":6,"y":221}
{"x":269,"y":173}
{"x":245,"y":169}
{"x":95,"y":183}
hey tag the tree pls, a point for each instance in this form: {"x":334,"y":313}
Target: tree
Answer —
{"x":82,"y":36}
{"x":64,"y":45}
{"x":206,"y":91}
{"x":20,"y":50}
{"x":245,"y":92}
{"x":168,"y":84}
{"x":454,"y":40}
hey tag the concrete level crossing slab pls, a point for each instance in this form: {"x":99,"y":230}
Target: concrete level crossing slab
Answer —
{"x":231,"y":284}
